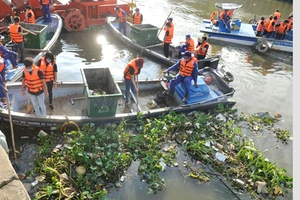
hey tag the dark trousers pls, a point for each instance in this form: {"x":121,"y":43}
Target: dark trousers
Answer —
{"x":258,"y":33}
{"x":21,"y":52}
{"x":279,"y":36}
{"x":265,"y":32}
{"x":122,"y":27}
{"x":166,"y":49}
{"x":46,"y":13}
{"x":269,"y":34}
{"x":200,"y":57}
{"x":50,"y":88}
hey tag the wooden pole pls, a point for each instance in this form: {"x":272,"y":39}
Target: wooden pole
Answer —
{"x":10,"y":121}
{"x":164,"y":23}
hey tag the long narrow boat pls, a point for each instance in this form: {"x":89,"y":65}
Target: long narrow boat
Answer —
{"x":153,"y":48}
{"x":243,"y":33}
{"x":51,"y":35}
{"x":82,"y":102}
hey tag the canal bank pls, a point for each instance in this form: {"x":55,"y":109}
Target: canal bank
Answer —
{"x":11,"y":187}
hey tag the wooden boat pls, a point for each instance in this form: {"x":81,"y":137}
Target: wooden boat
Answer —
{"x":143,"y":37}
{"x":78,"y":101}
{"x":49,"y":38}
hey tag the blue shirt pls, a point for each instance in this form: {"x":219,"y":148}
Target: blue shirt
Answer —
{"x":194,"y":72}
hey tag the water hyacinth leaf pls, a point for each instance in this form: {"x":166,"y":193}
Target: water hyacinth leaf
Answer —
{"x":98,"y":161}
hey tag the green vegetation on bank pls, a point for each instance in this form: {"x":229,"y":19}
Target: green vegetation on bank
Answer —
{"x":80,"y":165}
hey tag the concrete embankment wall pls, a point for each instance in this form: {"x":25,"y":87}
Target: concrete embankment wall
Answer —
{"x":11,"y":188}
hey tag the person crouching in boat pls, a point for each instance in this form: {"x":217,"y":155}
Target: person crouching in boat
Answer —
{"x":260,"y":26}
{"x":8,"y":54}
{"x":188,"y":70}
{"x":137,"y":17}
{"x":189,"y":45}
{"x":48,"y":66}
{"x":33,"y":80}
{"x":3,"y":74}
{"x":29,"y":15}
{"x":167,"y":38}
{"x":201,"y":48}
{"x":267,"y":23}
{"x":121,"y":16}
{"x":212,"y":18}
{"x":132,"y":69}
{"x":271,"y":27}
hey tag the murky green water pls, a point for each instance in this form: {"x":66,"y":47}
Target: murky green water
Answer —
{"x":262,"y":84}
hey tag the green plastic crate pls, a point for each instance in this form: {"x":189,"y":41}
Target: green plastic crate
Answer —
{"x":144,"y":34}
{"x":35,"y":41}
{"x":99,"y":80}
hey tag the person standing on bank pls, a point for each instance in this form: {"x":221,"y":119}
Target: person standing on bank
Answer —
{"x":167,"y":38}
{"x":29,"y":15}
{"x":202,"y":48}
{"x":33,"y":80}
{"x":49,"y":68}
{"x":137,"y":17}
{"x":16,"y":35}
{"x":188,"y":70}
{"x":46,"y":5}
{"x":132,"y":69}
{"x":121,"y":16}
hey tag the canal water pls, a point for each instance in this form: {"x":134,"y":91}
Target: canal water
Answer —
{"x":262,"y":83}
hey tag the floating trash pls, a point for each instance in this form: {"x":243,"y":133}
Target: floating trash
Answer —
{"x":220,"y":156}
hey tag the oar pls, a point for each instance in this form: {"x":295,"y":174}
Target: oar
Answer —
{"x":10,"y":121}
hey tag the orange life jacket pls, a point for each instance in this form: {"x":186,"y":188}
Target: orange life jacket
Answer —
{"x":2,"y":65}
{"x":223,"y":15}
{"x":137,"y":18}
{"x":168,"y":39}
{"x":194,"y":58}
{"x":230,"y":13}
{"x":30,"y":20}
{"x":278,"y":15}
{"x":45,"y":2}
{"x":268,"y":21}
{"x":14,"y":34}
{"x":191,"y":47}
{"x":200,"y":51}
{"x":281,"y":28}
{"x":212,"y":17}
{"x":33,"y":81}
{"x":47,"y":69}
{"x":121,"y":16}
{"x":186,"y":68}
{"x":271,"y":27}
{"x":260,"y":25}
{"x":126,"y":71}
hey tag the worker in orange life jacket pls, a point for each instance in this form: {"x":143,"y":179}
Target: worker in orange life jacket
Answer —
{"x":170,"y":19}
{"x":268,"y":21}
{"x":132,"y":69}
{"x":260,"y":26}
{"x":48,"y":66}
{"x":290,"y":24}
{"x":278,"y":14}
{"x":281,"y":30}
{"x":167,"y":38}
{"x":33,"y":80}
{"x":188,"y":70}
{"x":121,"y":16}
{"x":226,"y":19}
{"x":29,"y":15}
{"x":137,"y":17}
{"x":271,"y":27}
{"x":46,"y":5}
{"x":189,"y":45}
{"x":202,"y":48}
{"x":16,"y":35}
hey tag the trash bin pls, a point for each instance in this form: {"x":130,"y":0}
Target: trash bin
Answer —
{"x":144,"y":34}
{"x":100,"y":91}
{"x":37,"y":41}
